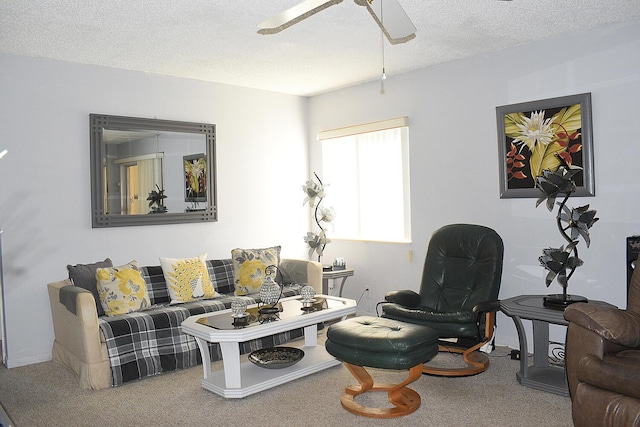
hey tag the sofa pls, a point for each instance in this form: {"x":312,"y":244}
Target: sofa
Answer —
{"x":105,"y":350}
{"x":603,"y":361}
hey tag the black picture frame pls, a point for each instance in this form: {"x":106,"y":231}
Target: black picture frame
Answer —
{"x":565,"y":134}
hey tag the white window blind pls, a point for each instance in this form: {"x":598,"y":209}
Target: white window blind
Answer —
{"x":366,"y":168}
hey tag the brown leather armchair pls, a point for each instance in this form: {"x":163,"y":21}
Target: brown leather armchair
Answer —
{"x":603,"y":361}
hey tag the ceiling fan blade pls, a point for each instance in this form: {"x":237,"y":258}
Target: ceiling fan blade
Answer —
{"x":293,"y":15}
{"x":391,"y":18}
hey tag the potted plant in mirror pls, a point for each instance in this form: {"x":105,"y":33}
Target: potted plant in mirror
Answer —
{"x":157,"y":198}
{"x":573,"y":224}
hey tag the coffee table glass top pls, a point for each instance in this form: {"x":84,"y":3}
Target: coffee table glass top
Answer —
{"x":287,"y":309}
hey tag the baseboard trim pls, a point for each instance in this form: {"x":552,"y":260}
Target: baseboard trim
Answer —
{"x":31,"y":360}
{"x":5,"y":421}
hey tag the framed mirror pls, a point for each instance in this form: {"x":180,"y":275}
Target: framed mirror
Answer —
{"x":149,"y":171}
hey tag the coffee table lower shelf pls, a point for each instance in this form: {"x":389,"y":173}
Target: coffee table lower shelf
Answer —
{"x":255,"y":379}
{"x":239,"y":379}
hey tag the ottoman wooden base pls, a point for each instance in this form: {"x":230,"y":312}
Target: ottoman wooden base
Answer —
{"x":403,"y":399}
{"x":383,"y":344}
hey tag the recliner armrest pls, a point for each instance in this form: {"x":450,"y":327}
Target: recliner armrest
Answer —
{"x":618,"y":326}
{"x":481,"y":309}
{"x":618,"y":372}
{"x":486,"y":307}
{"x":405,"y":298}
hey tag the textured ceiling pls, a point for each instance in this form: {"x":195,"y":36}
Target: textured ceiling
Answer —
{"x":216,"y":40}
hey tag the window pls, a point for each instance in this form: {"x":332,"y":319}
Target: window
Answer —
{"x":366,"y":170}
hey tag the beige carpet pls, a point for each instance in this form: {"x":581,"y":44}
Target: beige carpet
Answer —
{"x":46,"y":394}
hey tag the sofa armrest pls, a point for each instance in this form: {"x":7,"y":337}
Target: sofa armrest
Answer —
{"x":618,"y":326}
{"x":68,"y":296}
{"x":301,"y":271}
{"x":77,"y":332}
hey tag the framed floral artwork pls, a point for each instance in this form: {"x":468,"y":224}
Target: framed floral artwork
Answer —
{"x":195,"y":178}
{"x":545,"y":134}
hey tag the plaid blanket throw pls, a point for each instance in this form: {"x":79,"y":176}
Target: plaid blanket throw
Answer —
{"x":150,"y":342}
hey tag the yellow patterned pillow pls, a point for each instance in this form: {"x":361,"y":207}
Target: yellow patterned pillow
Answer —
{"x":249,"y":268}
{"x":187,"y":279}
{"x":122,"y":289}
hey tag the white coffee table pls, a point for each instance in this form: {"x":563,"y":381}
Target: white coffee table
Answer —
{"x":238,"y":379}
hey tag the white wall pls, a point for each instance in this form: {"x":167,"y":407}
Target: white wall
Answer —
{"x":454,"y":161}
{"x":45,"y":188}
{"x":262,"y":162}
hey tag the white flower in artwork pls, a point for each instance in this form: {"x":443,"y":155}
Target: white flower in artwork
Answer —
{"x":535,"y":131}
{"x":197,"y":168}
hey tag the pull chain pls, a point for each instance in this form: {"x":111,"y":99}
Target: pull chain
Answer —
{"x":384,"y":74}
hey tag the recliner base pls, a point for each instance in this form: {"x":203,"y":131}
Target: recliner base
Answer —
{"x":476,"y":361}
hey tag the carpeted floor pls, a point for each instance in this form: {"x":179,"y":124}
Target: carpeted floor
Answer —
{"x":46,"y":394}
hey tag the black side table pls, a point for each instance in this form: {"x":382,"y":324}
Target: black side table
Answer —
{"x":540,"y":375}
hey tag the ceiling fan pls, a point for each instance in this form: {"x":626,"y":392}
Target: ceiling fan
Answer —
{"x":388,"y":14}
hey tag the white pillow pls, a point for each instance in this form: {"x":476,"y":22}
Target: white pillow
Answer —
{"x":187,"y":279}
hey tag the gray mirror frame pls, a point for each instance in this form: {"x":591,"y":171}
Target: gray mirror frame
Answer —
{"x":99,"y":219}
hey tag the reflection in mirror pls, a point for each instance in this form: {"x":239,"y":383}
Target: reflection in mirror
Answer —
{"x":134,"y":165}
{"x":147,"y":171}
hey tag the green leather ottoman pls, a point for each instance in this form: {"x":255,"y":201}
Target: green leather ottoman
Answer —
{"x":377,"y":342}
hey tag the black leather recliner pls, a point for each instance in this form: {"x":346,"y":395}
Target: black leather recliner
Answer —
{"x":458,"y":295}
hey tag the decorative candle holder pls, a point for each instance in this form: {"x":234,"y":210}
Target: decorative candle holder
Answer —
{"x":307,"y":292}
{"x":238,"y":307}
{"x":270,"y":293}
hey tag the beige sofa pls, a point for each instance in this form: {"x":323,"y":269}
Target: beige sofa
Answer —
{"x":80,"y":343}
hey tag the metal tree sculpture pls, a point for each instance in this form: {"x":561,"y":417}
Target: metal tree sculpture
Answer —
{"x":317,"y":241}
{"x":573,"y":223}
